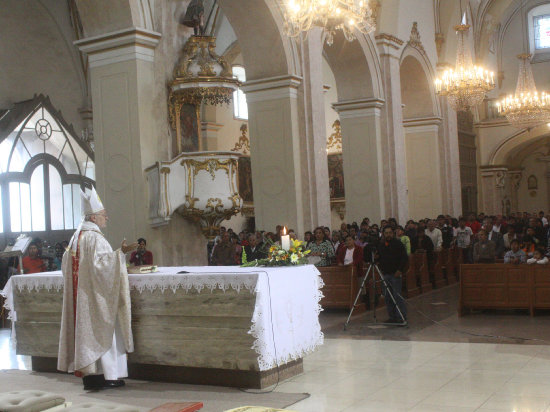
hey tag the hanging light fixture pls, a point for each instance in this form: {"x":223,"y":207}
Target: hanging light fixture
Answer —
{"x":466,"y":84}
{"x":330,"y":15}
{"x":527,"y":108}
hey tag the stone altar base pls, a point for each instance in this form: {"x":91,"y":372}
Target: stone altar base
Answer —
{"x":196,"y":376}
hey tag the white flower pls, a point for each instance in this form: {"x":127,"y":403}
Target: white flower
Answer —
{"x":294,"y":258}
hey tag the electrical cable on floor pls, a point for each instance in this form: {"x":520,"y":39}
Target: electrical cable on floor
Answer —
{"x":260,"y":392}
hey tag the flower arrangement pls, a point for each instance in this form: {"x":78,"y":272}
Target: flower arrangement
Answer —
{"x":277,"y":256}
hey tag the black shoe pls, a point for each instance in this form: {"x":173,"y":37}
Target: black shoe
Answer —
{"x":114,"y":384}
{"x":93,"y":382}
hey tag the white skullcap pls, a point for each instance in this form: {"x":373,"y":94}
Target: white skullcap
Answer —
{"x":90,"y":202}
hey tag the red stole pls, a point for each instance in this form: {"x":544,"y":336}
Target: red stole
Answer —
{"x":75,"y":266}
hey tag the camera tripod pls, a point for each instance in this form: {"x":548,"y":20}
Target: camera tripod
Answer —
{"x":372,"y":272}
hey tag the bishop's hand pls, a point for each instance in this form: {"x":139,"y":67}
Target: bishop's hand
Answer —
{"x":127,"y":247}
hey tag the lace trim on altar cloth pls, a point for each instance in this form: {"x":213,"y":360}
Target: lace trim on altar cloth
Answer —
{"x":270,"y":354}
{"x":209,"y":282}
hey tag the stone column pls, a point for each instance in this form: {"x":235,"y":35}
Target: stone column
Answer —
{"x":363,"y":160}
{"x":425,"y":163}
{"x":450,"y":160}
{"x":515,"y":180}
{"x":393,"y":136}
{"x":493,"y":184}
{"x":315,"y":142}
{"x":121,"y":73}
{"x":546,"y":159}
{"x":285,"y":191}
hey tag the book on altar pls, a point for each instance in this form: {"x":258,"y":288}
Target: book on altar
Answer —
{"x":136,"y":270}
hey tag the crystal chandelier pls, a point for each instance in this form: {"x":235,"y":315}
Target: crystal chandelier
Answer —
{"x":330,"y":15}
{"x":466,"y":84}
{"x":526,"y":108}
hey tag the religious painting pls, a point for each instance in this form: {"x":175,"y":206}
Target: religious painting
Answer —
{"x":532,"y":183}
{"x":188,"y":132}
{"x":245,"y":179}
{"x":336,"y":176}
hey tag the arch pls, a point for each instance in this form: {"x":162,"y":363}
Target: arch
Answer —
{"x":269,"y":55}
{"x":419,"y":94}
{"x":356,"y":67}
{"x":511,"y":144}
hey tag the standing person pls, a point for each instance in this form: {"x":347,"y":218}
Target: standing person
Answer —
{"x":96,"y":329}
{"x":321,"y":247}
{"x":224,"y":253}
{"x":141,"y":256}
{"x":400,"y":232}
{"x":392,"y":261}
{"x":435,"y":235}
{"x":463,"y":238}
{"x":484,"y":249}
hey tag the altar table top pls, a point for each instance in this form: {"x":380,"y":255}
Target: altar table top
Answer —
{"x":285,"y":322}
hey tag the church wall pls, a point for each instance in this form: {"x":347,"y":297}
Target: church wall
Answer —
{"x":533,"y":200}
{"x":424,"y":185}
{"x":37,"y":56}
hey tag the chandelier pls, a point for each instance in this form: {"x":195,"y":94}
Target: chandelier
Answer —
{"x":526,"y":108}
{"x":330,"y":15}
{"x":466,"y":84}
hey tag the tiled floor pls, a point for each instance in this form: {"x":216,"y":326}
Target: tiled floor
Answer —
{"x":425,"y":367}
{"x":377,"y":375}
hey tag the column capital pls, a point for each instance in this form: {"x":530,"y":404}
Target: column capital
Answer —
{"x":389,"y":45}
{"x":127,"y":44}
{"x":499,"y":173}
{"x":358,"y":108}
{"x":422,"y":124}
{"x":271,"y":88}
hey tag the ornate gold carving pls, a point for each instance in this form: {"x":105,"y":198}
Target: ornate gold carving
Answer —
{"x":210,"y":165}
{"x":165,"y":170}
{"x":243,"y":145}
{"x":390,"y":38}
{"x":414,"y":40}
{"x":214,"y":208}
{"x":334,"y":141}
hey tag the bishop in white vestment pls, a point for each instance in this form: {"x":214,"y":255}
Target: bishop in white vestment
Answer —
{"x":96,"y":329}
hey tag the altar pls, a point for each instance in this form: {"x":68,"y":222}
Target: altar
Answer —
{"x":230,"y":326}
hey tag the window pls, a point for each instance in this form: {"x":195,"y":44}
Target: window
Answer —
{"x":240,"y":108}
{"x":542,"y":31}
{"x":42,"y":168}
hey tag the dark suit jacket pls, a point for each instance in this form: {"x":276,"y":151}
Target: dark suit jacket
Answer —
{"x":498,"y":239}
{"x":258,"y":253}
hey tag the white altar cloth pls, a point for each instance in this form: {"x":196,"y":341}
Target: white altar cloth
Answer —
{"x":285,"y":322}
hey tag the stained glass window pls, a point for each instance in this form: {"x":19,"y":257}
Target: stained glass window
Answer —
{"x":542,"y":31}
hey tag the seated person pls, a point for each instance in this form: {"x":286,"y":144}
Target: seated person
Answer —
{"x":515,"y":255}
{"x":484,"y":249}
{"x":351,"y":255}
{"x":528,"y":245}
{"x":422,"y":243}
{"x":59,"y":250}
{"x":253,"y":250}
{"x":141,"y":256}
{"x":33,"y":263}
{"x":224,"y":253}
{"x":538,"y":257}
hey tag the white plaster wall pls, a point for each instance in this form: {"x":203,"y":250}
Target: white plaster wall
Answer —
{"x":526,"y":201}
{"x":37,"y":56}
{"x":424,"y":185}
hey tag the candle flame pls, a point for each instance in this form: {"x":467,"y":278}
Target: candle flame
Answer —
{"x":284,"y":230}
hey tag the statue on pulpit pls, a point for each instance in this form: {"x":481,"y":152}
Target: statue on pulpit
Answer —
{"x":194,"y":17}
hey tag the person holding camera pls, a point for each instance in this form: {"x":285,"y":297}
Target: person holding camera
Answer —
{"x":141,"y":256}
{"x":392,"y":260}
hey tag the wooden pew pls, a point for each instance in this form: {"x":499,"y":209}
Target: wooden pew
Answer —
{"x":410,"y":284}
{"x":421,"y":271}
{"x":341,"y":286}
{"x":450,"y":266}
{"x":438,"y":280}
{"x":504,"y":286}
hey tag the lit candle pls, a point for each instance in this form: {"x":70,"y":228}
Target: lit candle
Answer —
{"x":285,"y":240}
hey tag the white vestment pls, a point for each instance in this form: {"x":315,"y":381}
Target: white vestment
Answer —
{"x":97,"y":338}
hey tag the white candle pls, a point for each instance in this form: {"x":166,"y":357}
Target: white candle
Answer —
{"x":285,"y":240}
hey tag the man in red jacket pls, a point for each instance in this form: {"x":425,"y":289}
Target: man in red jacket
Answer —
{"x":351,"y":254}
{"x":141,"y":256}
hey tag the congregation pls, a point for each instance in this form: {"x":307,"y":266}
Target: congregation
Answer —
{"x":517,"y":238}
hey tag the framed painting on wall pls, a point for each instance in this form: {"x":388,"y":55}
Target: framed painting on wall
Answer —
{"x":336,"y":176}
{"x":245,"y":179}
{"x":188,"y":128}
